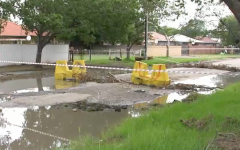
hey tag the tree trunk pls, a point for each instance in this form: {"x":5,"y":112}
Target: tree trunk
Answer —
{"x":167,"y":50}
{"x":39,"y":55}
{"x":128,"y":53}
{"x":234,"y":6}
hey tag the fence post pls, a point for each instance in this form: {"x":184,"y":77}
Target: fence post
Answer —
{"x":120,"y":53}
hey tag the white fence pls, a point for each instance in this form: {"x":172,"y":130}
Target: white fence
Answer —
{"x":27,"y":53}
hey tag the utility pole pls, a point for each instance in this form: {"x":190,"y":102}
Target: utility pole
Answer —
{"x":146,"y":35}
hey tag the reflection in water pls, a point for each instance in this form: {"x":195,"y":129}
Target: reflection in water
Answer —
{"x":61,"y":122}
{"x":35,"y":85}
{"x":170,"y":98}
{"x":61,"y":84}
{"x":213,"y":80}
{"x":39,"y":84}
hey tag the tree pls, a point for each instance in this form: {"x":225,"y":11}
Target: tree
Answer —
{"x":194,"y":28}
{"x":233,"y":5}
{"x":5,"y":6}
{"x":42,"y":17}
{"x":155,"y":10}
{"x":168,"y":30}
{"x":228,"y":30}
{"x":81,"y":19}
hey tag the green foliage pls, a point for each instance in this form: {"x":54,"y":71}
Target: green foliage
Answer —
{"x":233,"y":5}
{"x":167,"y":129}
{"x":5,"y":9}
{"x":194,"y":28}
{"x":168,"y":30}
{"x":228,"y":30}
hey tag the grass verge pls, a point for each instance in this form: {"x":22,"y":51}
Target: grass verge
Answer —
{"x":104,"y":60}
{"x":180,"y":126}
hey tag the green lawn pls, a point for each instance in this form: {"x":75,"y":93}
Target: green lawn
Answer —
{"x":161,"y":128}
{"x":104,"y":60}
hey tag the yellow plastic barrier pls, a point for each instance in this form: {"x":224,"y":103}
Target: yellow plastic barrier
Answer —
{"x":156,"y":78}
{"x":62,"y":72}
{"x":78,"y":70}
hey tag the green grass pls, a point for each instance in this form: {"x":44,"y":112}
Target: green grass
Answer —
{"x":161,"y":129}
{"x":104,"y":60}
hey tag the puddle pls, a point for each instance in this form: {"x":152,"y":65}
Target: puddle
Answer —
{"x":170,"y":98}
{"x":61,"y":122}
{"x":209,"y":81}
{"x":212,"y":80}
{"x":35,"y":85}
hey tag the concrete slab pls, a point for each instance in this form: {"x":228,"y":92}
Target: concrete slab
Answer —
{"x":229,"y":62}
{"x":45,"y":100}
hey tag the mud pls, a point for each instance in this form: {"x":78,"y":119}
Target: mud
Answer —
{"x":192,"y":97}
{"x":191,"y":87}
{"x":228,"y":143}
{"x":91,"y":74}
{"x":107,"y":93}
{"x":91,"y":107}
{"x":198,"y":124}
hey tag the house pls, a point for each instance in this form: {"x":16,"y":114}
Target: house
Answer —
{"x":208,"y":41}
{"x":175,"y":40}
{"x":157,"y":38}
{"x":183,"y":40}
{"x":13,"y":33}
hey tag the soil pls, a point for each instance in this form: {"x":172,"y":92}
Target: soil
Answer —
{"x":85,"y":106}
{"x":106,"y":93}
{"x":228,"y":143}
{"x":197,"y":124}
{"x":203,"y":64}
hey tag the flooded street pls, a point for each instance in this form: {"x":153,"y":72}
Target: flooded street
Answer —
{"x":65,"y":122}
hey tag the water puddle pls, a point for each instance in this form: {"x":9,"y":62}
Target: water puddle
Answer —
{"x":35,"y":85}
{"x":212,"y":80}
{"x":61,"y":122}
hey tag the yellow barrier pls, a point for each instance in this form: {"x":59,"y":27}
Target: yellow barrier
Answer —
{"x":156,"y":78}
{"x":78,"y":70}
{"x":62,"y":72}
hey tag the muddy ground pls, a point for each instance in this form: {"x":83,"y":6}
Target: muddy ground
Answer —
{"x":102,"y":86}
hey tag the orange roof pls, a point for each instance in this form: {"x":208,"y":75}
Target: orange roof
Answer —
{"x":13,"y":29}
{"x":157,"y":36}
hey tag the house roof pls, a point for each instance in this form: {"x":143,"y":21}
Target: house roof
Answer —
{"x":157,"y":36}
{"x":208,"y":40}
{"x":13,"y":29}
{"x":183,"y":38}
